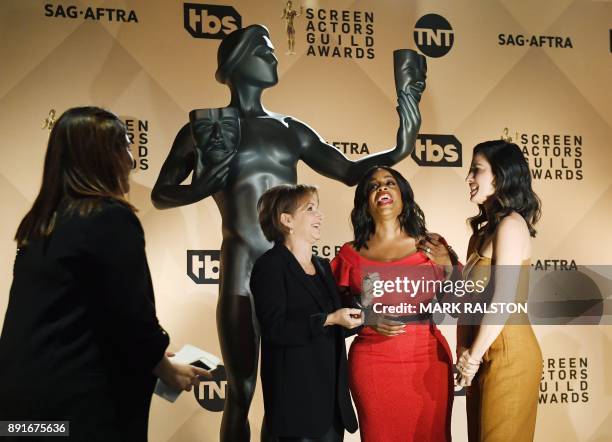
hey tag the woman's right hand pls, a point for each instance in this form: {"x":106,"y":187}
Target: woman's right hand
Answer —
{"x":179,"y":376}
{"x":467,"y":367}
{"x":387,"y":327}
{"x":346,"y":317}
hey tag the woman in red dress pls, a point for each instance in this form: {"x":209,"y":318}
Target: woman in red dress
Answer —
{"x":400,"y":365}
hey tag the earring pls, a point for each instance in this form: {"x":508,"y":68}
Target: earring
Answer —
{"x":291,"y":231}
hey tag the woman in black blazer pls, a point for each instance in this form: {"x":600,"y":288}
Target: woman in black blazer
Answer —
{"x":303,"y":327}
{"x":81,"y":341}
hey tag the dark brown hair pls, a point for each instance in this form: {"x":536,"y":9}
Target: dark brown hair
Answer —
{"x":513,"y":192}
{"x":86,"y":161}
{"x":277,"y":200}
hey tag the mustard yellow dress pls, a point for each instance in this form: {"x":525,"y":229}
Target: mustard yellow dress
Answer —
{"x":503,"y":398}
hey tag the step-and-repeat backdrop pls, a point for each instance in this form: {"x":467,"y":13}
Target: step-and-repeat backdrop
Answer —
{"x":538,"y":72}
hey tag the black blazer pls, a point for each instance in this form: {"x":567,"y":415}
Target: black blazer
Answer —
{"x":80,"y":336}
{"x":303,"y":363}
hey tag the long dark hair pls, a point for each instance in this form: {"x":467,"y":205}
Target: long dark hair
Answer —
{"x":411,"y":219}
{"x":513,"y":192}
{"x":86,"y":160}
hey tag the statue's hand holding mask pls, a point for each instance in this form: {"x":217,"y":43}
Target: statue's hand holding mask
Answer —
{"x":410,"y":69}
{"x":215,"y":132}
{"x":216,"y":136}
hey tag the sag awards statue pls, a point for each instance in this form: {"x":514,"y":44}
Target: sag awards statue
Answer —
{"x":238,"y":152}
{"x":289,"y":15}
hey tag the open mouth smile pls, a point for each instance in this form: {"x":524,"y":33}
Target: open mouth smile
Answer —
{"x":384,"y":199}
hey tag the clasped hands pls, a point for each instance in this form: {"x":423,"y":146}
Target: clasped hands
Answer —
{"x":467,"y":367}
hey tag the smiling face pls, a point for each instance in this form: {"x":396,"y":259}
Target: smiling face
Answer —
{"x":306,"y":221}
{"x":480,"y":179}
{"x":384,"y":195}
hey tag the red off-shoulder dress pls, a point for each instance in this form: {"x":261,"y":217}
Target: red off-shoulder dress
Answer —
{"x":402,"y":385}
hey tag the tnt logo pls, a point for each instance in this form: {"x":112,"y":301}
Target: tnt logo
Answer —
{"x":203,"y":266}
{"x":210,"y":21}
{"x":437,"y":151}
{"x":433,"y":35}
{"x":210,"y":394}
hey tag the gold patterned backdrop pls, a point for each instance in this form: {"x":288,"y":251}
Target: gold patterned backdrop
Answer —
{"x":536,"y":71}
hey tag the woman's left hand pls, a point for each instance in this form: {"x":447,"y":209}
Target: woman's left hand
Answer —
{"x":434,"y":246}
{"x":463,"y":381}
{"x":468,"y":367}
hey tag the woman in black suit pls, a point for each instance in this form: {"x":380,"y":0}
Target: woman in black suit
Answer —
{"x":81,"y":341}
{"x":303,"y":358}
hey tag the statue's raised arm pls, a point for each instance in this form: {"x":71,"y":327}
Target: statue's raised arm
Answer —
{"x":410,"y":73}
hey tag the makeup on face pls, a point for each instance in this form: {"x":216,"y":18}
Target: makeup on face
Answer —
{"x":383,"y":191}
{"x":307,"y":220}
{"x":480,"y":180}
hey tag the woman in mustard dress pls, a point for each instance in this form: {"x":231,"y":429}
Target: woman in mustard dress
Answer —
{"x":499,"y":359}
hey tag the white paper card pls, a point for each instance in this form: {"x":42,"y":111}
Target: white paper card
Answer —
{"x":186,"y":355}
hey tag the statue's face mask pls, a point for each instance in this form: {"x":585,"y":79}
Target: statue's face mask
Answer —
{"x":410,"y":70}
{"x":216,"y":132}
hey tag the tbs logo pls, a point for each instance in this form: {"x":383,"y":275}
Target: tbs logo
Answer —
{"x":437,"y":151}
{"x":203,"y":266}
{"x":210,"y":21}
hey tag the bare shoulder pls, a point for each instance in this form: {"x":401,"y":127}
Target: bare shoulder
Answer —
{"x":513,"y":224}
{"x":512,"y":234}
